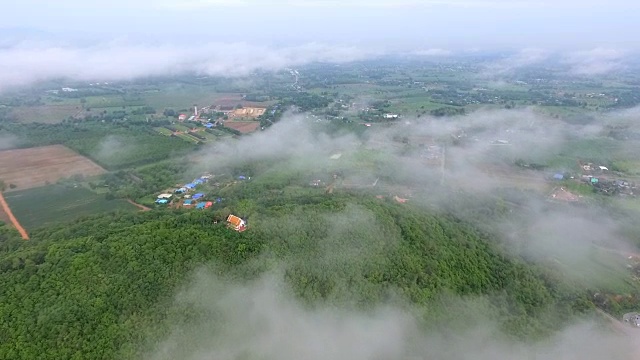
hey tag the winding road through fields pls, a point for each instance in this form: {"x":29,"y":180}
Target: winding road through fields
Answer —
{"x":7,"y":210}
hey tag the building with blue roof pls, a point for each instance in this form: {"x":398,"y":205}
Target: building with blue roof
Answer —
{"x":188,"y":202}
{"x":558,"y":176}
{"x":198,"y":196}
{"x":190,"y":186}
{"x":201,"y":205}
{"x":162,"y":201}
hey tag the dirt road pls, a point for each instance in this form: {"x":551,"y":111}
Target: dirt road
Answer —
{"x":7,"y":210}
{"x":139,"y":206}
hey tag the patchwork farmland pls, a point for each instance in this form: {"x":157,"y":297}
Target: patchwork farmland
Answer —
{"x":34,"y":167}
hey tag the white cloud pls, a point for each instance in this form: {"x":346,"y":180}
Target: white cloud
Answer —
{"x":28,"y":63}
{"x":596,"y":61}
{"x":433,"y":52}
{"x":523,"y":58}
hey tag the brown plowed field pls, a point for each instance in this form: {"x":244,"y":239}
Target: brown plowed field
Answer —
{"x":34,"y":167}
{"x":242,"y":126}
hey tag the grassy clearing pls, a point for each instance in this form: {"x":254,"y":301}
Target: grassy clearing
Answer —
{"x":112,"y":101}
{"x":163,"y":131}
{"x":183,"y":96}
{"x":45,"y":113}
{"x":53,"y":204}
{"x":181,"y":127}
{"x":578,"y":188}
{"x":606,"y":270}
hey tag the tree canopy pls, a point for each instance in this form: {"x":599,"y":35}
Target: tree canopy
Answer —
{"x":102,"y":286}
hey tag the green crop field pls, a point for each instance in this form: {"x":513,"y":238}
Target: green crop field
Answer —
{"x":181,"y":127}
{"x":53,"y":204}
{"x":163,"y":131}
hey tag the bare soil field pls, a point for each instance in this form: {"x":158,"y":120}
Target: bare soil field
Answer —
{"x":34,"y":167}
{"x":242,"y":126}
{"x":248,"y":112}
{"x":564,"y":195}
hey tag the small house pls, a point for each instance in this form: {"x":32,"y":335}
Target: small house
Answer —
{"x":558,"y":177}
{"x":182,"y":190}
{"x":162,"y":201}
{"x":208,"y":204}
{"x":242,"y":177}
{"x":182,"y":117}
{"x":198,"y":196}
{"x":208,"y":125}
{"x":236,"y":223}
{"x":201,"y":205}
{"x":165,"y":196}
{"x":594,"y":181}
{"x":190,"y":186}
{"x":188,"y":202}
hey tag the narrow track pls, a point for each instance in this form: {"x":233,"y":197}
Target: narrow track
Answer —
{"x":12,"y":218}
{"x":139,"y":206}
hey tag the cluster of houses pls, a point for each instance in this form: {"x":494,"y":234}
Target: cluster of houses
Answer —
{"x":602,"y":180}
{"x":184,"y":190}
{"x":164,"y":199}
{"x":598,"y":177}
{"x":197,"y":200}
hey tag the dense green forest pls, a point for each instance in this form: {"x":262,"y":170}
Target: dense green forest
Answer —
{"x":102,"y":287}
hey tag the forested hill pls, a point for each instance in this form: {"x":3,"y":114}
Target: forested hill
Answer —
{"x":103,"y":287}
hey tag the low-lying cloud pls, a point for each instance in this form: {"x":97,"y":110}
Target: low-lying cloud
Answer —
{"x":27,"y":63}
{"x":263,"y":320}
{"x":435,"y":52}
{"x":523,"y":58}
{"x":483,"y":165}
{"x":597,"y":61}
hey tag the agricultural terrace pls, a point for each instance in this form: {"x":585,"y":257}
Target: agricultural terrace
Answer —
{"x":53,"y":204}
{"x":33,"y":167}
{"x":113,"y":146}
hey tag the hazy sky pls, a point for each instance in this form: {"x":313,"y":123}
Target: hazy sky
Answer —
{"x":125,"y":39}
{"x":402,"y":24}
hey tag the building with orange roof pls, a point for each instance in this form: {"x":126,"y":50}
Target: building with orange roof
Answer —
{"x":236,"y":223}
